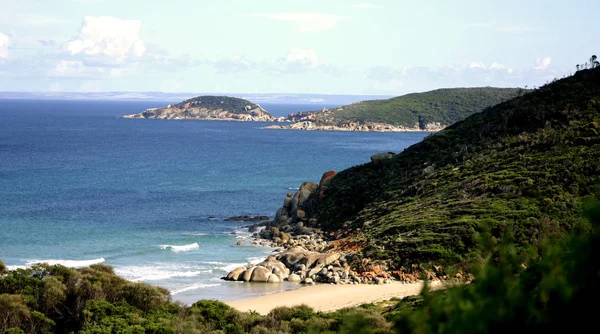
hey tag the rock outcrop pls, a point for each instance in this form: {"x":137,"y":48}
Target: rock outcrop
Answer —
{"x":247,"y":219}
{"x":359,"y":126}
{"x":307,"y":256}
{"x":222,"y":108}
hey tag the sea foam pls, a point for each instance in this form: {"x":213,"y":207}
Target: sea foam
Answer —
{"x":193,"y":287}
{"x":184,"y":248}
{"x":158,"y":271}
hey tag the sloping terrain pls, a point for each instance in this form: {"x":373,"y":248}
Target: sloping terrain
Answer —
{"x":528,"y":164}
{"x":442,"y":106}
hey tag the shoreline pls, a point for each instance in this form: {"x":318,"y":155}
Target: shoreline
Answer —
{"x":291,"y":123}
{"x":327,"y":297}
{"x":341,"y":129}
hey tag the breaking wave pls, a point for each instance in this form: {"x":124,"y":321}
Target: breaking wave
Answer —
{"x":193,"y":287}
{"x":184,"y":248}
{"x":157,"y":272}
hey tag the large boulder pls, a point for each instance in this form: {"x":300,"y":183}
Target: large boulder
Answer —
{"x":293,"y":278}
{"x":234,"y":275}
{"x":375,"y":158}
{"x":303,"y":196}
{"x":275,"y":266}
{"x":261,"y":274}
{"x":307,"y":280}
{"x":247,"y":274}
{"x":308,"y":186}
{"x":273,"y":279}
{"x":292,"y":256}
{"x":282,"y":215}
{"x":326,"y":178}
{"x":294,"y":206}
{"x":287,"y":203}
{"x":327,"y":259}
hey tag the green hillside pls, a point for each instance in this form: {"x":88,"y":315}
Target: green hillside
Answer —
{"x":444,"y":106}
{"x":527,"y":164}
{"x":232,"y":104}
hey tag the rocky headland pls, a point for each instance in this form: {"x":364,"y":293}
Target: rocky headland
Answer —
{"x":305,"y":254}
{"x":358,"y":126}
{"x":221,"y":108}
{"x":419,"y":112}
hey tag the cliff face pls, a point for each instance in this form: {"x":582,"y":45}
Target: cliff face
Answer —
{"x":209,"y":108}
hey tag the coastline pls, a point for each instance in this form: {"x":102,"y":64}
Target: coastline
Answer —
{"x":370,"y":127}
{"x":327,"y":297}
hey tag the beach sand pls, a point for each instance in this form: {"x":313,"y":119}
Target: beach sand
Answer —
{"x":326,"y":297}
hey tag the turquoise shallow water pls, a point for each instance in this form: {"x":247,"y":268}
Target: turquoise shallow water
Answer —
{"x":79,"y":185}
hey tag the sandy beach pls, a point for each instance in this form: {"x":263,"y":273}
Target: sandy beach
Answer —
{"x":325,"y":297}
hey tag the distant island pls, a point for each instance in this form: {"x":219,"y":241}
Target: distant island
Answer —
{"x":429,"y":111}
{"x":221,"y":108}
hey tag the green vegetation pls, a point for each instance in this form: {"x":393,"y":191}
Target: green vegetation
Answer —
{"x":444,"y":106}
{"x":554,"y":285}
{"x":504,"y":191}
{"x":232,"y":104}
{"x":593,"y":63}
{"x":527,"y":164}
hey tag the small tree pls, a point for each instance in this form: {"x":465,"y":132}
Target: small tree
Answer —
{"x":594,"y":61}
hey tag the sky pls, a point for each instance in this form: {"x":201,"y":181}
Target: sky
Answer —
{"x":284,"y":46}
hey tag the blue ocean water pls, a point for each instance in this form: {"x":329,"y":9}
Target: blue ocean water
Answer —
{"x":79,"y":185}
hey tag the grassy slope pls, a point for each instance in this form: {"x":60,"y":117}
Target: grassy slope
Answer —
{"x":526,"y":163}
{"x":445,"y":106}
{"x":232,"y":104}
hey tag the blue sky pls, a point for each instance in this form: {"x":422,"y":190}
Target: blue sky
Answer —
{"x":279,"y":46}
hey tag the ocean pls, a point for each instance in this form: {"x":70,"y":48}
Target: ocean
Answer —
{"x":79,"y":185}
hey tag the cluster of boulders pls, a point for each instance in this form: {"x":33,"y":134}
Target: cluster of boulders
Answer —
{"x":300,"y":265}
{"x":268,"y":271}
{"x":313,"y":242}
{"x":313,"y":124}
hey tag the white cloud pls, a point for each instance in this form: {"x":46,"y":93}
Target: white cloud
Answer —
{"x":293,"y":62}
{"x":307,"y":22}
{"x":77,"y":69}
{"x":366,"y":6}
{"x":303,"y":58}
{"x":4,"y":41}
{"x":476,"y":74}
{"x":236,"y":63}
{"x":108,"y":37}
{"x":502,"y":26}
{"x":542,"y":63}
{"x":476,"y":65}
{"x":497,"y":66}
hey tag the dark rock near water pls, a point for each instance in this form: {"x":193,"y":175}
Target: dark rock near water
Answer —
{"x":247,"y":218}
